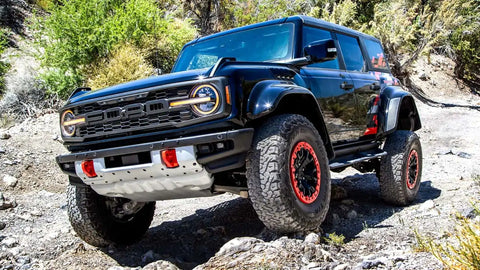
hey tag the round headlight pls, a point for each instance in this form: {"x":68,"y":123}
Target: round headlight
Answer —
{"x":67,"y":130}
{"x":208,"y":107}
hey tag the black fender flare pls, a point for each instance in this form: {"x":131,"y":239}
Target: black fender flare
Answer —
{"x":272,"y":97}
{"x":398,"y":110}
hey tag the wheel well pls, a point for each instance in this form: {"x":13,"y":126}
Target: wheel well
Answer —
{"x":306,"y":106}
{"x":408,"y":118}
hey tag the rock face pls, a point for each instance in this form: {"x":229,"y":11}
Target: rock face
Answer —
{"x":161,"y":265}
{"x":6,"y":203}
{"x":10,"y":180}
{"x":13,"y":14}
{"x":4,"y":136}
{"x":254,"y":253}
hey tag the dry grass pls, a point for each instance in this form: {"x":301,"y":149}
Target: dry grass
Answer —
{"x":44,"y":4}
{"x":334,"y":239}
{"x":461,"y":250}
{"x":125,"y":63}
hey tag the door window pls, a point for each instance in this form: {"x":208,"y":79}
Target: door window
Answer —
{"x":375,"y":54}
{"x":352,"y":55}
{"x":311,"y":34}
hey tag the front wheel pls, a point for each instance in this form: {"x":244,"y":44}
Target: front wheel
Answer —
{"x":101,"y":220}
{"x":401,"y":169}
{"x":288,"y":174}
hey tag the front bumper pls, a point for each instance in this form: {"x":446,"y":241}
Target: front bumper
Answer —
{"x":152,"y":180}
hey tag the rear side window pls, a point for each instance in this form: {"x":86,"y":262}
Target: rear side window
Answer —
{"x":311,"y":34}
{"x":375,"y":54}
{"x":352,"y":55}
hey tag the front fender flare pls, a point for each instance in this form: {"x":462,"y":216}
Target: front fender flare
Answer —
{"x":266,"y":96}
{"x":278,"y":97}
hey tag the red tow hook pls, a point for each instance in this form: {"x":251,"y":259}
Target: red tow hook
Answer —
{"x":169,"y":158}
{"x":88,"y":168}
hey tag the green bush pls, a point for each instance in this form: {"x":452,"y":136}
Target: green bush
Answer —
{"x":465,"y":41}
{"x":162,"y":50}
{"x":3,"y":65}
{"x":244,"y":12}
{"x":343,"y":13}
{"x":78,"y":33}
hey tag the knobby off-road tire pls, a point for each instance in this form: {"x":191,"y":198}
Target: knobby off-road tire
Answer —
{"x":95,"y":224}
{"x":401,"y":169}
{"x":285,"y":197}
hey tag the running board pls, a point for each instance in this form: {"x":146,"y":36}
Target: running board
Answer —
{"x":359,"y":157}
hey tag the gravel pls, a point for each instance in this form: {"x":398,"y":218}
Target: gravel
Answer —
{"x":223,"y":231}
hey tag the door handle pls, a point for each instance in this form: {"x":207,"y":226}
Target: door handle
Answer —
{"x":346,"y":86}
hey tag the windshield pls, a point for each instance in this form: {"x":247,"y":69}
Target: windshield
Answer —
{"x":267,"y":43}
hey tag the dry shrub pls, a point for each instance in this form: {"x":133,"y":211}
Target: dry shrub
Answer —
{"x":45,"y":4}
{"x":24,"y":95}
{"x":125,"y":63}
{"x":461,"y":249}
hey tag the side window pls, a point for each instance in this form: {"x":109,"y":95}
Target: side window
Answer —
{"x":352,"y":55}
{"x":311,"y":34}
{"x":375,"y":54}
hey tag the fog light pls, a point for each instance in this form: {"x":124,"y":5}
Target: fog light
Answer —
{"x":169,"y":158}
{"x":88,"y":168}
{"x":220,"y":145}
{"x":204,"y":149}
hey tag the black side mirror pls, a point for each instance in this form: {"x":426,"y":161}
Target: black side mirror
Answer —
{"x":321,"y":51}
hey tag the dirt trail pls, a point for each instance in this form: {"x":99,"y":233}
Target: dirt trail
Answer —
{"x":198,"y":232}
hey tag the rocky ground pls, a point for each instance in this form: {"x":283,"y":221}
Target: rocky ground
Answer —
{"x":223,"y":232}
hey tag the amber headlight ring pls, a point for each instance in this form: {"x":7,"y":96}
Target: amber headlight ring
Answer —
{"x":205,"y":91}
{"x":68,"y":123}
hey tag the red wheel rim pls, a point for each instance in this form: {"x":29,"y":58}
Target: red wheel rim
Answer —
{"x":305,"y":172}
{"x":412,"y":169}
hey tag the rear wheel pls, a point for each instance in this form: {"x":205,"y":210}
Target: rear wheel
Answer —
{"x":288,"y":175}
{"x":101,"y":220}
{"x":401,"y":169}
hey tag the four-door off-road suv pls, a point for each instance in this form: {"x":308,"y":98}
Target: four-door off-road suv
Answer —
{"x":264,"y":111}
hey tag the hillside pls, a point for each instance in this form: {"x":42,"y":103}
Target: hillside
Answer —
{"x":223,"y":232}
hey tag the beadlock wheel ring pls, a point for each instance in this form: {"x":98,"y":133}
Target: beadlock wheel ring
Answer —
{"x":412,"y":169}
{"x":305,"y":172}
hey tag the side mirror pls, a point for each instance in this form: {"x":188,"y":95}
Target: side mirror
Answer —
{"x":321,"y":51}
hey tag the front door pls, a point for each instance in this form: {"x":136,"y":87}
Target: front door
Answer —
{"x":334,"y":89}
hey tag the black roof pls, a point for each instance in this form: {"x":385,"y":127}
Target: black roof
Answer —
{"x":329,"y":26}
{"x":299,"y":18}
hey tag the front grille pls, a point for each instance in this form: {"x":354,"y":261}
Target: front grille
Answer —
{"x":134,"y":113}
{"x":165,"y":120}
{"x":153,"y":95}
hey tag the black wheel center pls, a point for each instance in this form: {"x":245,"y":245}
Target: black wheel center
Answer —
{"x":305,"y":172}
{"x":412,"y":169}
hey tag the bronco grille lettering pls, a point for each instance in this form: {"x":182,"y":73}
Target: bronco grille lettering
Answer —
{"x":130,"y":111}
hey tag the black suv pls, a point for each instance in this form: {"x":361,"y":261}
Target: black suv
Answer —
{"x":264,"y":111}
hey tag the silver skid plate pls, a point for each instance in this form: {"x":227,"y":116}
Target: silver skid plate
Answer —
{"x":151,"y":181}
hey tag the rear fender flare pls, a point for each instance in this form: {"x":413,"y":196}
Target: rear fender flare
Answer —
{"x":398,"y":110}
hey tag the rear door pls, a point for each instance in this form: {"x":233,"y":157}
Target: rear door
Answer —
{"x":333,"y":88}
{"x":366,"y":86}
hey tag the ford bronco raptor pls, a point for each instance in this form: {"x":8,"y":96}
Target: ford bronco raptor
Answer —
{"x":264,"y":111}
